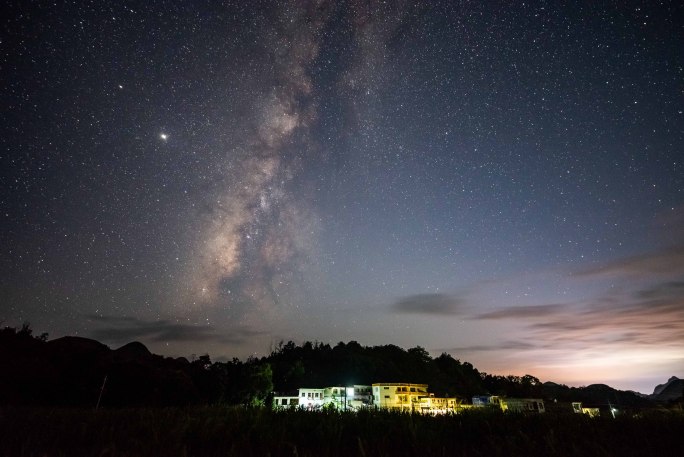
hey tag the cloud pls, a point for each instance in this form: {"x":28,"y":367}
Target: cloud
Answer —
{"x":663,"y":262}
{"x":669,"y":289}
{"x":524,"y":312}
{"x":642,"y":305}
{"x":493,"y":347}
{"x":439,"y":304}
{"x":126,"y":329}
{"x":649,"y":316}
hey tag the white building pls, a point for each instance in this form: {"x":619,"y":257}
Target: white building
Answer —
{"x":283,"y":402}
{"x":311,"y":398}
{"x":339,"y":397}
{"x":348,"y":398}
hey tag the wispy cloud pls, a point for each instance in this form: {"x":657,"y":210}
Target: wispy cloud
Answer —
{"x":524,"y":312}
{"x":648,"y":316}
{"x":668,"y":289}
{"x":645,"y":322}
{"x":126,"y":329}
{"x":663,"y":262}
{"x":493,"y":347}
{"x":644,"y":308}
{"x":439,"y":304}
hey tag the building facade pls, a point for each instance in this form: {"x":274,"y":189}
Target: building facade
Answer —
{"x":519,"y":405}
{"x":310,"y":398}
{"x":578,"y":408}
{"x":284,"y":402}
{"x":398,"y":396}
{"x":522,"y":405}
{"x":339,"y":397}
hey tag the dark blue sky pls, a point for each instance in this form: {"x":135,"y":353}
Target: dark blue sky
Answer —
{"x":501,"y":182}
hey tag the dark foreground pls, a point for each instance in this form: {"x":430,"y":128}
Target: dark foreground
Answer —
{"x":234,"y":431}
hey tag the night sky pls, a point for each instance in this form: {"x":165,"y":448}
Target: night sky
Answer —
{"x":503,"y":182}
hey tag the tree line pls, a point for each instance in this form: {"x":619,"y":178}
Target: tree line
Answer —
{"x":74,"y":371}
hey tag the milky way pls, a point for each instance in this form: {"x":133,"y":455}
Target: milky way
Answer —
{"x":501,"y":183}
{"x":256,"y":234}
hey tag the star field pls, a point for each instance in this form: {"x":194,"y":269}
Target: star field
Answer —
{"x":501,"y":182}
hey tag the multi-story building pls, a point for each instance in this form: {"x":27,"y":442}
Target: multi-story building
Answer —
{"x":414,"y":398}
{"x":348,"y":398}
{"x":339,"y":397}
{"x":399,"y":396}
{"x":363,"y":393}
{"x":311,"y":398}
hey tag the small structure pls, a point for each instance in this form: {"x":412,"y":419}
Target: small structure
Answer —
{"x":486,"y":400}
{"x":519,"y":405}
{"x":522,"y":405}
{"x":441,"y":405}
{"x":284,"y":402}
{"x":579,"y":409}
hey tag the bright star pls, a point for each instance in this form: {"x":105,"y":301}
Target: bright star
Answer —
{"x":163,"y":136}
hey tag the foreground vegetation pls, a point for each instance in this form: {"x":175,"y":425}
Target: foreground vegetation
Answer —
{"x":238,"y":431}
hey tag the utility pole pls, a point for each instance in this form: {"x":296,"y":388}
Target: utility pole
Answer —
{"x":101,"y":390}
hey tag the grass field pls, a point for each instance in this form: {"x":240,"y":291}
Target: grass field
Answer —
{"x":232,"y":431}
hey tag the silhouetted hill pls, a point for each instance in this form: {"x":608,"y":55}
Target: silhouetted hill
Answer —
{"x":75,"y":371}
{"x":594,"y":395}
{"x":76,"y":346}
{"x":71,"y":371}
{"x":673,"y":389}
{"x":133,"y":351}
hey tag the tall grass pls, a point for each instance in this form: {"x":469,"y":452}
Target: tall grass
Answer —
{"x":233,"y":431}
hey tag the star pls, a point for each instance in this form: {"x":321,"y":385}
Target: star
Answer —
{"x":163,"y":136}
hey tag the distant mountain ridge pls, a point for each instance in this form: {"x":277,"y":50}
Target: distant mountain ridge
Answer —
{"x":596,"y":395}
{"x":75,"y":371}
{"x":673,"y":389}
